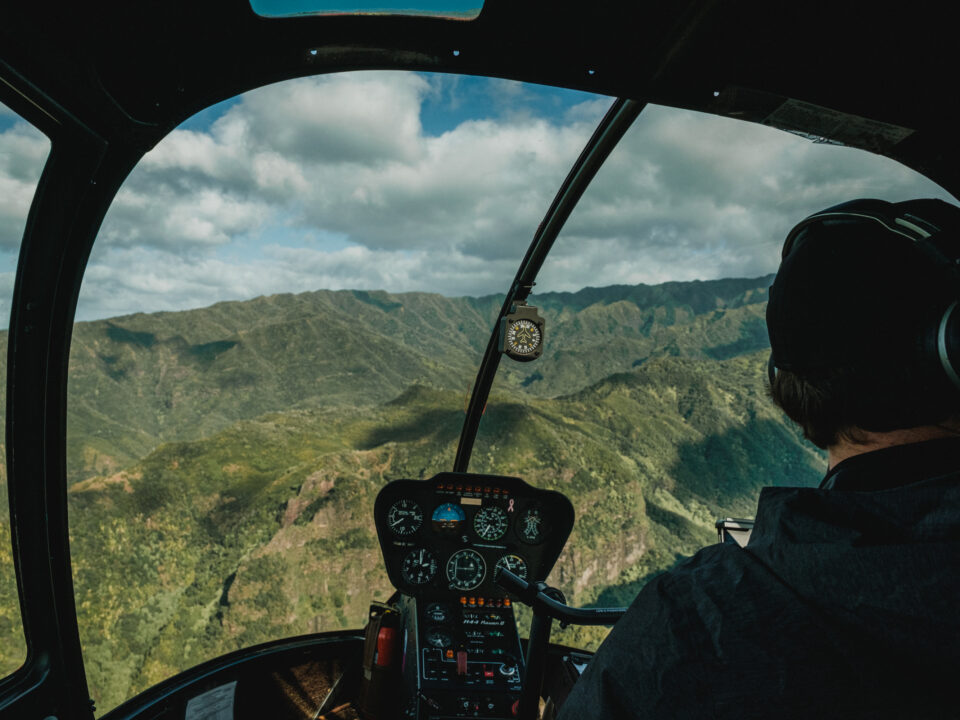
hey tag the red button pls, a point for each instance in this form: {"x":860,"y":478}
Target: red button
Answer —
{"x":487,"y":673}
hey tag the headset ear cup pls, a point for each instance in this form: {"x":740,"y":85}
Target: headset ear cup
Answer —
{"x":948,"y":343}
{"x":771,"y":370}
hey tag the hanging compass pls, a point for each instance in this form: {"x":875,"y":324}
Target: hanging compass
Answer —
{"x":521,"y":333}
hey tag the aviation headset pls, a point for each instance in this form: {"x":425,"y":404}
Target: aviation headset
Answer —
{"x":932,"y":228}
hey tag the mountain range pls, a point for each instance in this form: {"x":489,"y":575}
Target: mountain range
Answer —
{"x":223,"y":462}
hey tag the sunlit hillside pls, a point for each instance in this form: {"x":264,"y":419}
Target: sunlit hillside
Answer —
{"x":224,"y":461}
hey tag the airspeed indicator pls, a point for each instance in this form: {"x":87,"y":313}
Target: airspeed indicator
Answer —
{"x":405,"y":517}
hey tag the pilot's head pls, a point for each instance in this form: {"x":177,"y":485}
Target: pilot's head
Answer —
{"x":861,"y":319}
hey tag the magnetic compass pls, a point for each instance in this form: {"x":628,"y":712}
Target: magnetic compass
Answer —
{"x":523,"y":336}
{"x":521,"y":333}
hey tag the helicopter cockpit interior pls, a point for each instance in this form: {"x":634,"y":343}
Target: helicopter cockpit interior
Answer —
{"x":365,"y":361}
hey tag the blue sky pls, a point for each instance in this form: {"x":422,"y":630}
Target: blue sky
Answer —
{"x":404,"y":182}
{"x":455,"y":99}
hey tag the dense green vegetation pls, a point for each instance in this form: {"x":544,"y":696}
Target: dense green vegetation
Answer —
{"x":224,"y":461}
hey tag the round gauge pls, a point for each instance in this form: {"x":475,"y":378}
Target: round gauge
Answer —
{"x":515,"y":564}
{"x":437,"y":613}
{"x":448,"y":518}
{"x":465,"y":570}
{"x":404,"y":517}
{"x":439,"y":639}
{"x":531,"y":526}
{"x":491,"y":522}
{"x":523,"y":336}
{"x":419,"y":566}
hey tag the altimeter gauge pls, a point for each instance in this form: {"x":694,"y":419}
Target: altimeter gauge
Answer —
{"x":466,"y":570}
{"x":521,"y":333}
{"x":515,"y":564}
{"x":404,"y":517}
{"x":491,"y":522}
{"x":419,"y":566}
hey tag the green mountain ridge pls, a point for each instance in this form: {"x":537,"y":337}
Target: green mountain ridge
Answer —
{"x":224,"y":461}
{"x":264,"y":529}
{"x":139,"y":380}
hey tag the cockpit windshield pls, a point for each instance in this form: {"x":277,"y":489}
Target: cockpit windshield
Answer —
{"x":286,"y":308}
{"x":648,"y":405}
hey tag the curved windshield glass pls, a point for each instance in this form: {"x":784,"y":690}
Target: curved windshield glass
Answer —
{"x":23,"y":152}
{"x":285,"y":308}
{"x":648,"y":406}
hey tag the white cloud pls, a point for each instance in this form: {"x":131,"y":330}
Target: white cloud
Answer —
{"x":687,"y":196}
{"x":121,"y":280}
{"x":346,"y":157}
{"x":23,"y":152}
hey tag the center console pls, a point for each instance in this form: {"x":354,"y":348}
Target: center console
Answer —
{"x":442,"y":540}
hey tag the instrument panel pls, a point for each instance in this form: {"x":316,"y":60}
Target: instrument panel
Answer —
{"x":447,"y":535}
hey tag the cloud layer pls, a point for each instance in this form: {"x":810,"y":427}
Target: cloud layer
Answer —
{"x":334,"y":182}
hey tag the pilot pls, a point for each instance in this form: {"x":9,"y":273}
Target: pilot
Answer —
{"x":844,"y":603}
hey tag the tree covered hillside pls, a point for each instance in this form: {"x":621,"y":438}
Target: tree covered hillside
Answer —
{"x":224,"y":461}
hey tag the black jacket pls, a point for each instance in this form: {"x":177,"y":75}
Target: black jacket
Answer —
{"x":843,"y":604}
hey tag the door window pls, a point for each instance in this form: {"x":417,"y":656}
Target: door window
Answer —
{"x":23,"y":151}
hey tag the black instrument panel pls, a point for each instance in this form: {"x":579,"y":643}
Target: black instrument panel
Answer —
{"x":446,"y":535}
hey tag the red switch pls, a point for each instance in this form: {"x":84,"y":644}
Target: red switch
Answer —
{"x":461,"y":662}
{"x":487,"y":673}
{"x":515,"y":708}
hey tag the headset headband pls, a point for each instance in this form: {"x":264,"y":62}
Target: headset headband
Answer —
{"x":920,"y":223}
{"x":905,"y":224}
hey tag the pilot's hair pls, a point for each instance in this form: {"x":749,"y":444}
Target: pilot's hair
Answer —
{"x":834,"y":405}
{"x":853,"y":316}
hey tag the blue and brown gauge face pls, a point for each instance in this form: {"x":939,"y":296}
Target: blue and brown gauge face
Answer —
{"x":404,"y":517}
{"x":465,"y":570}
{"x":515,"y":564}
{"x":448,"y":518}
{"x":491,"y":522}
{"x":523,"y":337}
{"x":419,"y":566}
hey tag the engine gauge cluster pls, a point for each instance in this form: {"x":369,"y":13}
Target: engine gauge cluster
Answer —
{"x":446,"y":536}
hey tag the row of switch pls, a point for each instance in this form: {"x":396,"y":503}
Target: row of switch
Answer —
{"x":479,"y":489}
{"x":481,"y":602}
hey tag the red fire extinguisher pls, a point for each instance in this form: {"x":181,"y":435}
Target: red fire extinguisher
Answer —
{"x":381,"y":664}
